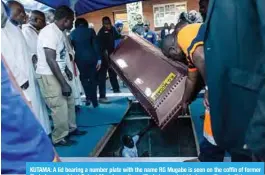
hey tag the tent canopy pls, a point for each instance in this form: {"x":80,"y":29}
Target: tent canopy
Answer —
{"x":85,"y":6}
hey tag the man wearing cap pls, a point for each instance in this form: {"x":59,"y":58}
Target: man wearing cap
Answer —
{"x":119,"y":28}
{"x":149,"y":34}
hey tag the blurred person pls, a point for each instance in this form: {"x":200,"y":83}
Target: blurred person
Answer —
{"x":87,"y":58}
{"x":171,"y":28}
{"x":183,"y":17}
{"x":54,"y":76}
{"x":106,"y":38}
{"x":30,"y":32}
{"x":17,"y":12}
{"x":169,"y":49}
{"x":16,"y":62}
{"x":18,"y":59}
{"x":130,"y":143}
{"x":139,"y":27}
{"x":50,"y":16}
{"x":195,"y":17}
{"x":149,"y":35}
{"x":203,"y":8}
{"x":119,"y":26}
{"x":164,"y":31}
{"x":75,"y":83}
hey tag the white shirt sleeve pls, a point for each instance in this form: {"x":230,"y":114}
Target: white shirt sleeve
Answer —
{"x":49,"y":40}
{"x":31,"y":42}
{"x":135,"y":138}
{"x":125,"y":153}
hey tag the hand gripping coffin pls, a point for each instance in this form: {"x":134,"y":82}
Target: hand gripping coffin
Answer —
{"x":156,"y":82}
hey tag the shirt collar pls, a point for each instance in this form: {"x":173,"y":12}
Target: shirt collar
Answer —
{"x":55,"y":26}
{"x":33,"y":28}
{"x":14,"y":22}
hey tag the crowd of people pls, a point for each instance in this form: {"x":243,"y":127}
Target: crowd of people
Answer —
{"x":54,"y":65}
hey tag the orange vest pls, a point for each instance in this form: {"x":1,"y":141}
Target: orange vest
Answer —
{"x":207,"y":127}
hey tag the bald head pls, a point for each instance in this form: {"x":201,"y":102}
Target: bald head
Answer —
{"x":18,"y":13}
{"x":37,"y":19}
{"x":171,"y":50}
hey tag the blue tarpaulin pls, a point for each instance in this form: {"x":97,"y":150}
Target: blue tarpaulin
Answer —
{"x":85,"y":6}
{"x":23,"y":139}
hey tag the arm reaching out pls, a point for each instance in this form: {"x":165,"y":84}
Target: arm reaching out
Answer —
{"x":199,"y":61}
{"x":190,"y":86}
{"x":141,"y":133}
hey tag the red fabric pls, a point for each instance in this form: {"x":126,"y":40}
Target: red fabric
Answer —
{"x":75,"y":69}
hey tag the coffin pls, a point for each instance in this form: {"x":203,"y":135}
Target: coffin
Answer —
{"x":156,"y":82}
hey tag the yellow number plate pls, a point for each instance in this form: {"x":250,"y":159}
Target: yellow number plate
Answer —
{"x":163,"y":86}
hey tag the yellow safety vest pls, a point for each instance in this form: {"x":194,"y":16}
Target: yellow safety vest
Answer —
{"x":207,"y":128}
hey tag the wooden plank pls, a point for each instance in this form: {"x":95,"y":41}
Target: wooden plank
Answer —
{"x":103,"y":141}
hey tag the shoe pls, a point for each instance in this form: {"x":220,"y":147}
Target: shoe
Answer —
{"x":95,"y":105}
{"x":116,"y":91}
{"x":66,"y":142}
{"x":78,"y":132}
{"x":104,"y":101}
{"x":88,"y":103}
{"x":77,"y":109}
{"x":192,"y":160}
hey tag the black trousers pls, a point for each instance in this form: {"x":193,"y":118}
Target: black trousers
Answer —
{"x":88,"y":74}
{"x":212,"y":153}
{"x":102,"y":75}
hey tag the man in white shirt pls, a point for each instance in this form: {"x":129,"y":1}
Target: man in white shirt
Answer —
{"x":129,"y":143}
{"x":31,"y":31}
{"x":22,"y":53}
{"x":16,"y":62}
{"x":17,"y":12}
{"x":75,"y":84}
{"x":53,"y":71}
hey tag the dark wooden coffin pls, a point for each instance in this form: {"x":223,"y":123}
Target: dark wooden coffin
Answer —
{"x":156,"y":82}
